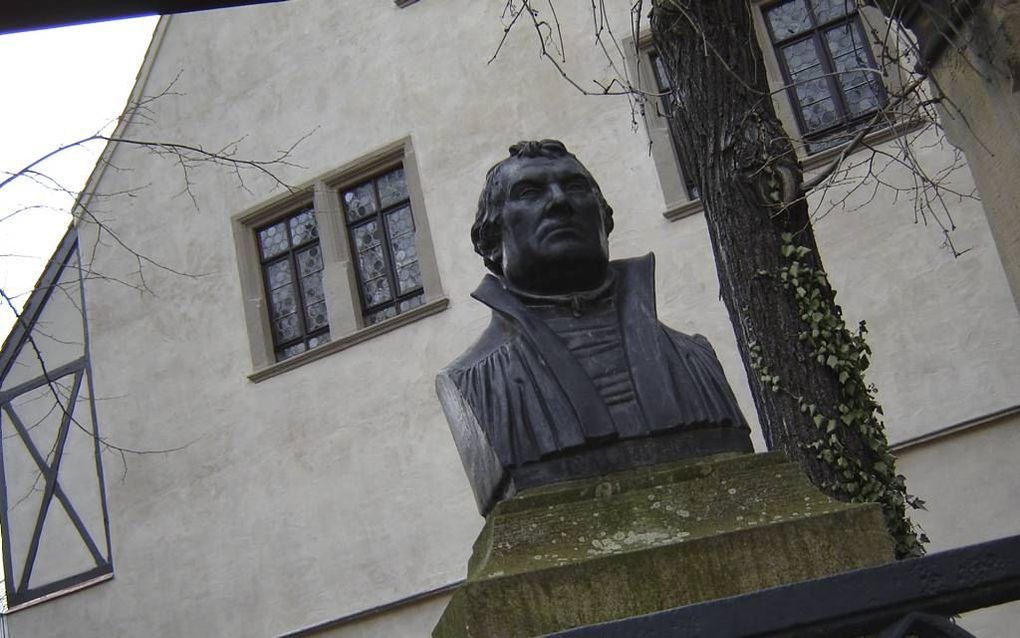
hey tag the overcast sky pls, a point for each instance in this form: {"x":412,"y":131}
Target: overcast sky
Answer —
{"x":59,"y":85}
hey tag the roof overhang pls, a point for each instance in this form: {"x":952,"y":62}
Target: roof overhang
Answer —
{"x":25,"y":15}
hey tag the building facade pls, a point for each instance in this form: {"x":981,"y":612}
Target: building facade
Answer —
{"x":258,"y":342}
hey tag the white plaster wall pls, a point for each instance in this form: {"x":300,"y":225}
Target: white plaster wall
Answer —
{"x":969,"y":482}
{"x":335,"y":487}
{"x":944,"y":337}
{"x":57,"y":335}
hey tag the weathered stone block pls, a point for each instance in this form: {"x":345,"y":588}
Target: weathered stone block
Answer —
{"x":653,"y":538}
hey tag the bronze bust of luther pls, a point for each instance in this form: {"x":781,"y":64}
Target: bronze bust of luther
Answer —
{"x":574,"y":376}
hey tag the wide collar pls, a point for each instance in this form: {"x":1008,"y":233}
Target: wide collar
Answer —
{"x":634,"y":287}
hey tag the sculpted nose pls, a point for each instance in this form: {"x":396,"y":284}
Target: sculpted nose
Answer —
{"x":557,"y":199}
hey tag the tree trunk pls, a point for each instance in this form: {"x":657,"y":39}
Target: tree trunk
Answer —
{"x":805,"y":368}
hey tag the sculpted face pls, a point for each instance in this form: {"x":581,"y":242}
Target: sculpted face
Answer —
{"x":554,"y":237}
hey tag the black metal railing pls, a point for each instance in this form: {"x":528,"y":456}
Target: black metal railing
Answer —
{"x":913,"y":597}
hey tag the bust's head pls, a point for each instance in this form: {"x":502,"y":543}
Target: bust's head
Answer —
{"x":542,"y":222}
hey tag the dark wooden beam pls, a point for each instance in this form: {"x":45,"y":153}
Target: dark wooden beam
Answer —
{"x":25,"y":15}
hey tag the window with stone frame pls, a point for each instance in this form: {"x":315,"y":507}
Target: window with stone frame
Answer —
{"x":291,"y":262}
{"x":381,"y":231}
{"x":827,"y":65}
{"x":345,"y":257}
{"x":665,"y":88}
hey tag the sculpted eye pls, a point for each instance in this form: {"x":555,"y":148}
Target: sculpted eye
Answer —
{"x":526,"y":192}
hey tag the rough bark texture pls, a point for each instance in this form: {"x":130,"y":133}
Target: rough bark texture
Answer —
{"x":750,"y":182}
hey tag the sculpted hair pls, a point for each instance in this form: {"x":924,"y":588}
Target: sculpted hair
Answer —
{"x":487,"y":231}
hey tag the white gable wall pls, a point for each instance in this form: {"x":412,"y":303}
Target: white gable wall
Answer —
{"x":335,"y":487}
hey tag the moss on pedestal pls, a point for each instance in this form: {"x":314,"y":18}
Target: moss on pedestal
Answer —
{"x":589,"y":551}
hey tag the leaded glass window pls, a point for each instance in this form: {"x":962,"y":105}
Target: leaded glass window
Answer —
{"x":381,"y":230}
{"x":292,"y":274}
{"x":827,"y":63}
{"x":666,"y":89}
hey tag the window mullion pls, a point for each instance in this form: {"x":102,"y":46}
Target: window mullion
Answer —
{"x":384,"y":239}
{"x":791,"y":91}
{"x":831,"y":76}
{"x":299,"y":296}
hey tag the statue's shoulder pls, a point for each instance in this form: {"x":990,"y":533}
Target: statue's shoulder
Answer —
{"x":642,"y":266}
{"x":688,"y":340}
{"x":499,"y":332}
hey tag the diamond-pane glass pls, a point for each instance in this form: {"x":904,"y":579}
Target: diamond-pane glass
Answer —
{"x":850,"y":79}
{"x":311,"y":288}
{"x":377,"y":291}
{"x":366,"y":236}
{"x":287,"y":328}
{"x":315,"y":316}
{"x":862,"y":99}
{"x":820,"y":114}
{"x":800,"y":55}
{"x":273,"y":240}
{"x":811,"y":85}
{"x":282,"y":302}
{"x":290,"y":351}
{"x":359,"y":202}
{"x":392,"y":311}
{"x":373,"y":263}
{"x":292,"y":267}
{"x":318,"y":340}
{"x":404,"y":250}
{"x":278,"y":274}
{"x":789,"y":19}
{"x":826,"y":10}
{"x":828,"y":65}
{"x":413,"y":302}
{"x":400,"y":222}
{"x":309,"y":261}
{"x":392,"y":188}
{"x":303,"y":227}
{"x":379,"y":315}
{"x":381,"y":230}
{"x":409,"y":278}
{"x":845,"y":39}
{"x":852,"y":66}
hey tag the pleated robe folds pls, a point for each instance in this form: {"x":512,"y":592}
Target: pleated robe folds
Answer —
{"x":519,"y":397}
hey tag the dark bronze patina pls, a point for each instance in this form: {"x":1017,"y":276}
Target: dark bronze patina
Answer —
{"x":574,"y":376}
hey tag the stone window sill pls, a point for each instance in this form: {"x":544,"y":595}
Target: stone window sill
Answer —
{"x":346,"y":341}
{"x":683,"y":209}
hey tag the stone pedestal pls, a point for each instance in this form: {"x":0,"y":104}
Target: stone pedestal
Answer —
{"x":653,"y":538}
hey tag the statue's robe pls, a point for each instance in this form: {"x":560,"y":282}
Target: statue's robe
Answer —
{"x":524,"y":412}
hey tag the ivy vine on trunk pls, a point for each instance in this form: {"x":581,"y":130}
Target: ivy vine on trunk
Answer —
{"x":806,"y":367}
